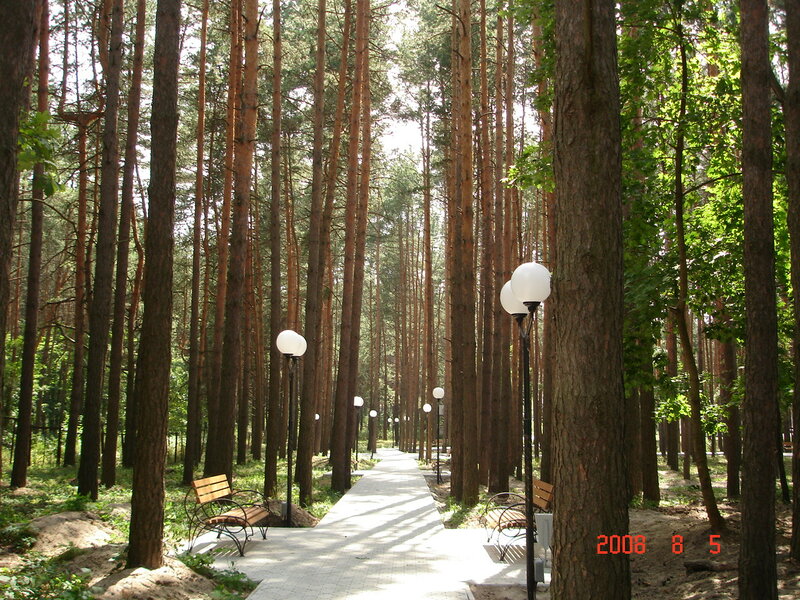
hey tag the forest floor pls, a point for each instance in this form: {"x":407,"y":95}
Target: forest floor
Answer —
{"x":659,"y":573}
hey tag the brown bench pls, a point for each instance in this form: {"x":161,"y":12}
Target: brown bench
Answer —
{"x":503,"y":515}
{"x":211,"y":505}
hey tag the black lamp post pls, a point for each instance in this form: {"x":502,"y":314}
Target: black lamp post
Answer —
{"x":292,"y":345}
{"x":358,"y":402}
{"x":520,"y":297}
{"x":373,"y":432}
{"x":438,"y":393}
{"x":426,"y":408}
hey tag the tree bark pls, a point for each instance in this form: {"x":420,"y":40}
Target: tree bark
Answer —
{"x":194,"y":413}
{"x":213,"y":391}
{"x":313,"y":315}
{"x":17,"y":39}
{"x":757,"y":561}
{"x":100,"y":308}
{"x":696,"y":437}
{"x":343,"y":404}
{"x":221,"y":460}
{"x":274,"y":415}
{"x":589,"y":472}
{"x":108,"y":475}
{"x":152,"y":382}
{"x":22,"y":446}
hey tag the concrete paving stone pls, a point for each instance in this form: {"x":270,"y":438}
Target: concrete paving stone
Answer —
{"x":383,"y":540}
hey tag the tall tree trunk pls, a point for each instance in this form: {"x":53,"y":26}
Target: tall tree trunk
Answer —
{"x":17,"y":39}
{"x":77,"y":385}
{"x":274,"y":419}
{"x":361,"y":228}
{"x":488,"y":298}
{"x":548,"y":317}
{"x":108,"y":476}
{"x":463,"y":317}
{"x":129,"y":445}
{"x":757,"y":561}
{"x":588,"y":393}
{"x":313,"y":317}
{"x":194,"y":413}
{"x":733,"y":435}
{"x":672,"y":427}
{"x":696,"y":436}
{"x":152,"y":381}
{"x":213,"y":390}
{"x":651,"y":491}
{"x":22,"y":447}
{"x":221,"y":460}
{"x":791,"y":108}
{"x":343,"y":411}
{"x":100,"y":309}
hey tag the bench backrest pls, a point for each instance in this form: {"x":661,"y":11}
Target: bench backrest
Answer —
{"x":542,"y":494}
{"x":211,"y":488}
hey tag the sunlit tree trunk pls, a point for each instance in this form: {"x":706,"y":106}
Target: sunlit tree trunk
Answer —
{"x":313,"y":309}
{"x":488,"y":297}
{"x":100,"y":309}
{"x":109,"y":472}
{"x":194,"y":414}
{"x":221,"y":460}
{"x":274,"y":413}
{"x":152,"y":382}
{"x":696,"y":435}
{"x":343,"y":403}
{"x":214,"y":380}
{"x":17,"y":38}
{"x":22,"y":446}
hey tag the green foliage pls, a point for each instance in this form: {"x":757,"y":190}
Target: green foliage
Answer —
{"x":672,"y":408}
{"x":534,"y":168}
{"x":17,"y":536}
{"x":43,"y":579}
{"x":38,"y":144}
{"x":78,"y":502}
{"x":231,"y":584}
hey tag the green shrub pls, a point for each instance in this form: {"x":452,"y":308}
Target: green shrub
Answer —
{"x":17,"y":536}
{"x":42,"y":579}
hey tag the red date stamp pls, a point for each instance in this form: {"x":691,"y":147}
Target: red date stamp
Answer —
{"x":637,"y":544}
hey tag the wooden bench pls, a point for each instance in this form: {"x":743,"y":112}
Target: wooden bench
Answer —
{"x":503,"y":515}
{"x":211,"y":505}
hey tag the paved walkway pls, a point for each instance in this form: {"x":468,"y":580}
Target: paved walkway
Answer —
{"x":383,"y":540}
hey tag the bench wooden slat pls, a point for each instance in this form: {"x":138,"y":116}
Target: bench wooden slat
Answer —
{"x":250,"y":516}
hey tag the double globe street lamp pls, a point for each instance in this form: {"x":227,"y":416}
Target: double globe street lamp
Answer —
{"x":292,"y":345}
{"x":520,"y":297}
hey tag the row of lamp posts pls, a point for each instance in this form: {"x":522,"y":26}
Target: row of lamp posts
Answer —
{"x":520,"y":297}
